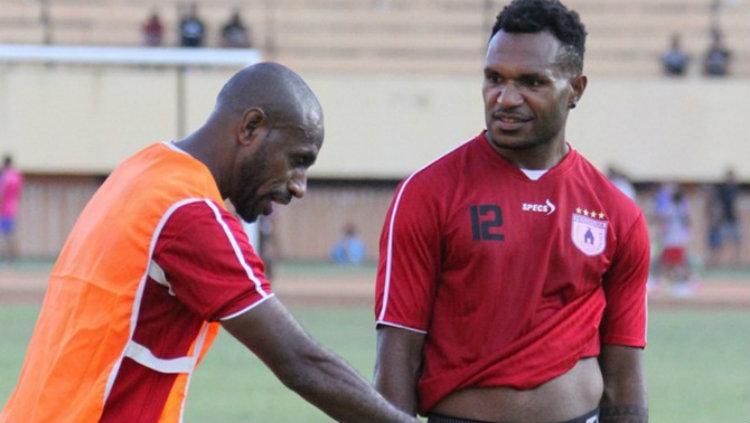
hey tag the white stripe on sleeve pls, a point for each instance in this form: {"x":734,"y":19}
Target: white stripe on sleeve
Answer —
{"x":237,"y":250}
{"x":389,"y":248}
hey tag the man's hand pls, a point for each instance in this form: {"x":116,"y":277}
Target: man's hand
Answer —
{"x":316,"y":374}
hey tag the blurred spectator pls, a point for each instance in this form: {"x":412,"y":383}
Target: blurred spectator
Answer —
{"x":350,"y":249}
{"x":726,"y":227}
{"x":662,"y":209}
{"x":153,"y":31}
{"x":675,"y":60}
{"x":192,"y":29}
{"x":234,"y":34}
{"x":663,"y":199}
{"x":716,"y":60}
{"x":621,"y":181}
{"x":675,"y":237}
{"x":11,"y":183}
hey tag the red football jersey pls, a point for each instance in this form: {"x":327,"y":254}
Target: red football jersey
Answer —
{"x":512,"y":280}
{"x":203,"y":268}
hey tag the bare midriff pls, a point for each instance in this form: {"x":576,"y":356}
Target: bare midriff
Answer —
{"x":565,"y":397}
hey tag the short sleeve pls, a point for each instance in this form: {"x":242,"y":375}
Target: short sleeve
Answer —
{"x":625,"y":315}
{"x":409,"y":260}
{"x":209,"y":263}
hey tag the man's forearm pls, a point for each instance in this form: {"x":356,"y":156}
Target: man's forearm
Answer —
{"x":315,"y":373}
{"x":398,"y":365}
{"x":400,"y":390}
{"x":623,"y":414}
{"x":624,"y":399}
{"x":333,"y":386}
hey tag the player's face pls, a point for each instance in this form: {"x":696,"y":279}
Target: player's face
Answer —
{"x":526,"y":95}
{"x":276,"y":172}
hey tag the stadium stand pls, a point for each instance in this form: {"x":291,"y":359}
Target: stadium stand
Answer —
{"x":438,"y":36}
{"x":400,"y":50}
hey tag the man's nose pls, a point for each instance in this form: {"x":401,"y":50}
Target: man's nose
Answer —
{"x":298,"y":183}
{"x":509,"y":96}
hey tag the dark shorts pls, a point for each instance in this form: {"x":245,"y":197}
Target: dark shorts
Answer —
{"x":591,"y":417}
{"x":7,"y":224}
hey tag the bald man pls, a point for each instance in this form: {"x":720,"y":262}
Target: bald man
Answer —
{"x":155,"y":263}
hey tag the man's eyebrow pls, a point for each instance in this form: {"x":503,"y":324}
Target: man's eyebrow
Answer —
{"x":524,"y":75}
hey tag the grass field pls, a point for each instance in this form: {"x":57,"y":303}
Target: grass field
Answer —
{"x":697,"y":364}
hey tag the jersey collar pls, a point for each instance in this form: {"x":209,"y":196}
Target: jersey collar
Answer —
{"x":499,"y":160}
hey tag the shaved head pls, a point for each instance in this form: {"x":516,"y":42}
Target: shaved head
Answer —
{"x":264,"y":133}
{"x":283,"y":96}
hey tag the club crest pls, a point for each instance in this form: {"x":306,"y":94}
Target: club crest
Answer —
{"x":589,"y":231}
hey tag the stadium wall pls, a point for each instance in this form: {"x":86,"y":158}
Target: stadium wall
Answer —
{"x":85,"y":119}
{"x":68,"y":126}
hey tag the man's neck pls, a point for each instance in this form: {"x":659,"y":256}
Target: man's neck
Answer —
{"x":544,"y":156}
{"x":205,"y":153}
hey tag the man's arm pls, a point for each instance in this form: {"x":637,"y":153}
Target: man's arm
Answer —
{"x":316,"y":374}
{"x":398,"y":365}
{"x":624,"y":399}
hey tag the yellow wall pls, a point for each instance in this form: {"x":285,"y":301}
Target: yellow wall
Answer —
{"x":62,"y":119}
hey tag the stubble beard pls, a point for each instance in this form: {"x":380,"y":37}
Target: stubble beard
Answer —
{"x":248,"y":199}
{"x":524,"y":145}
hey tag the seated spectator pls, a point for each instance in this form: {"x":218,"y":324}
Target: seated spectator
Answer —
{"x":716,"y":60}
{"x":350,"y":249}
{"x":192,"y":29}
{"x":675,"y":60}
{"x":153,"y":31}
{"x":234,"y":34}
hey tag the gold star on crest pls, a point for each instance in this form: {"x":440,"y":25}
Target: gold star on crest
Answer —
{"x":601,"y":215}
{"x":585,"y":212}
{"x":578,"y":210}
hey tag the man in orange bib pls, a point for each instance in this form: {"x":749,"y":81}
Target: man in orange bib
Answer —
{"x":155,"y":263}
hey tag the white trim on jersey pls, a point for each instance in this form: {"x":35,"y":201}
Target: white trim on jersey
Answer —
{"x":237,"y":250}
{"x":156,"y":273}
{"x":389,"y":248}
{"x":196,"y":353}
{"x":131,"y":347}
{"x":246,"y":309}
{"x":396,"y":325}
{"x":171,"y":145}
{"x":142,"y":355}
{"x":139,"y":293}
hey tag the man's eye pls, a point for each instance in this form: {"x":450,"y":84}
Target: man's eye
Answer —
{"x":534,"y":82}
{"x":299,"y":162}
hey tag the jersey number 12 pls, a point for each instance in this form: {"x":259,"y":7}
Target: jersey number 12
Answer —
{"x":485,"y":218}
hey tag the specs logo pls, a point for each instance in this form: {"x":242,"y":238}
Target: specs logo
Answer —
{"x":547,"y":208}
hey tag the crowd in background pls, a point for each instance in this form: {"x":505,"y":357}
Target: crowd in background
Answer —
{"x":672,"y":221}
{"x":192,"y":30}
{"x":716,"y":58}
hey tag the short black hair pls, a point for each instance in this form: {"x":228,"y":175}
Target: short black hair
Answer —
{"x":532,"y":16}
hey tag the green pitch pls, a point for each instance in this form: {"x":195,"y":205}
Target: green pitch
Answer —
{"x":697,"y":365}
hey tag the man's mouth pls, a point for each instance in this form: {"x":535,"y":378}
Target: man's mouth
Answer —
{"x":268,"y":208}
{"x":281,"y":199}
{"x":509,"y":122}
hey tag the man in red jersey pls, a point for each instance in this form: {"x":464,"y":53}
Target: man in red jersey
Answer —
{"x":516,"y":293}
{"x":156,"y":262}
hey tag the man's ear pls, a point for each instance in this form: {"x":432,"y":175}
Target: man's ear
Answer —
{"x":578,"y":83}
{"x":253,"y":125}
